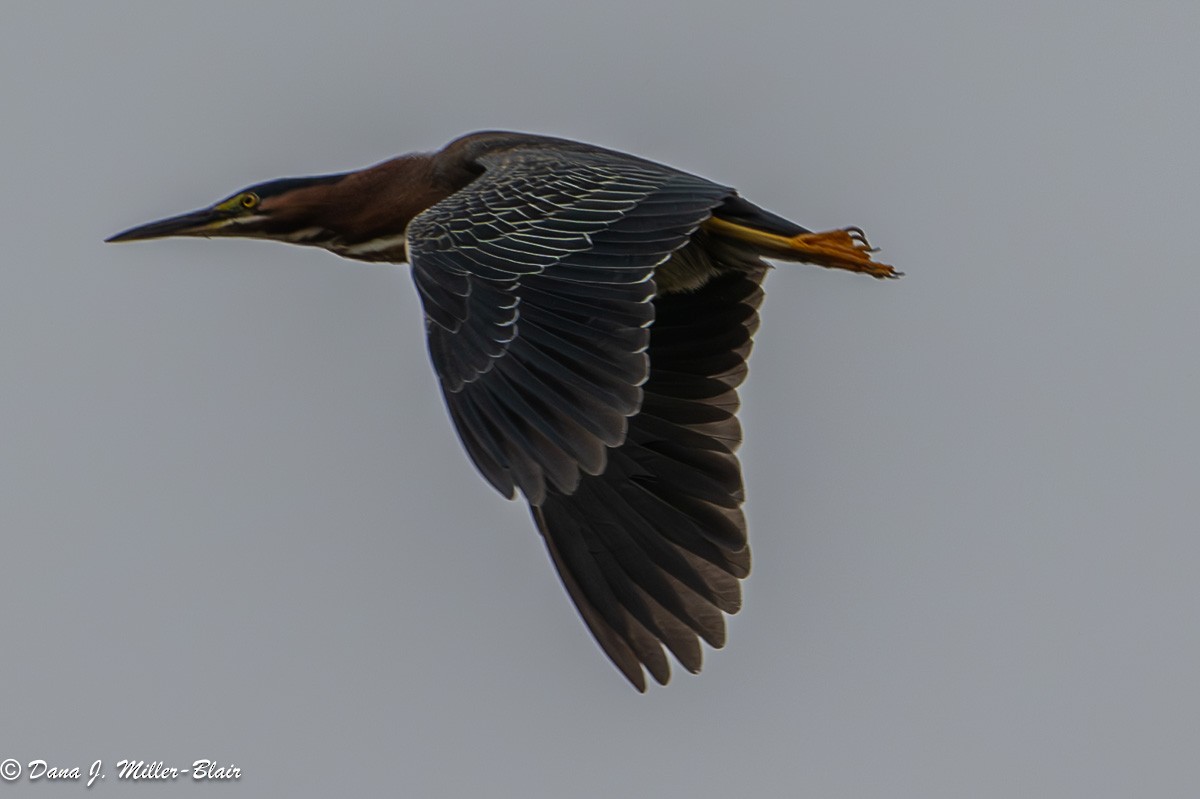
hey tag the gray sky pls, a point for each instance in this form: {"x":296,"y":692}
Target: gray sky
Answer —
{"x":237,"y":524}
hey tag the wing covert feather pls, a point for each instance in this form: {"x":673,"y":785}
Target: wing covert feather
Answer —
{"x":537,"y":281}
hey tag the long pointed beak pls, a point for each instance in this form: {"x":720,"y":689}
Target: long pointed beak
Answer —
{"x":196,"y":223}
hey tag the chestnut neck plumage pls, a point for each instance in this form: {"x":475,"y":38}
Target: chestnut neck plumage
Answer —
{"x":364,"y":215}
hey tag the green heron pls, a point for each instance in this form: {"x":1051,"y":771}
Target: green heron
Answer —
{"x":589,"y":315}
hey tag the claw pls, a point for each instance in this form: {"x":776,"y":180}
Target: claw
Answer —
{"x":846,"y":248}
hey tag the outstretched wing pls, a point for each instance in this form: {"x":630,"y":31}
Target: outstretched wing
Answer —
{"x":652,"y":549}
{"x":536,"y":280}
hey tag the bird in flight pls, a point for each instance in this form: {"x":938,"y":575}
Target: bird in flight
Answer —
{"x":589,"y":315}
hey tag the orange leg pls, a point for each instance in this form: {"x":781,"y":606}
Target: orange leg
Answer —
{"x":835,"y":249}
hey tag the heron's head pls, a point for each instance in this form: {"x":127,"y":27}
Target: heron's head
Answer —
{"x":295,"y":210}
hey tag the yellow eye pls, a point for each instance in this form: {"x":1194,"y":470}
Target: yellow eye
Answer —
{"x":249,"y":200}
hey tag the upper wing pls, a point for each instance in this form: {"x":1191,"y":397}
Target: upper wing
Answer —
{"x":536,"y":284}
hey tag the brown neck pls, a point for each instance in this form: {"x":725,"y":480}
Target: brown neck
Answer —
{"x":374,"y":203}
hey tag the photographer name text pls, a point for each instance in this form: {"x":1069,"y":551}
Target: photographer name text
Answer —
{"x":202,"y":770}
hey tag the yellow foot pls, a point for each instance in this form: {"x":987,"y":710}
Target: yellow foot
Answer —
{"x":847,"y":248}
{"x":835,"y":249}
